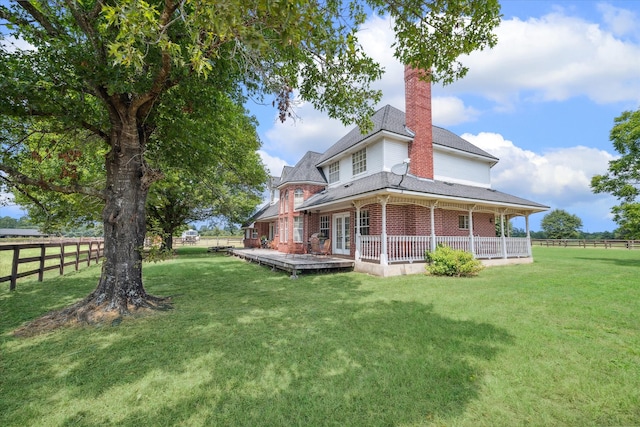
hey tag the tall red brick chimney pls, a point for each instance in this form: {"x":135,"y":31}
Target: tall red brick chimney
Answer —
{"x":417,"y":95}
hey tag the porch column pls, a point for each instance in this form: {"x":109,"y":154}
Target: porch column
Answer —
{"x":384,"y":259}
{"x":526,"y":221}
{"x":358,"y":235}
{"x":502,"y":235}
{"x":433,"y":227}
{"x":472,"y":245}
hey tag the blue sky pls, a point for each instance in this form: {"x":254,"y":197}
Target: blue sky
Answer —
{"x":543,"y":101}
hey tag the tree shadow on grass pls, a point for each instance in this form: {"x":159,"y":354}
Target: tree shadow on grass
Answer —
{"x":259,"y":349}
{"x":617,"y":261}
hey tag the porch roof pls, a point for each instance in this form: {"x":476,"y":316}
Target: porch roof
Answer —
{"x":410,"y":186}
{"x":269,"y":211}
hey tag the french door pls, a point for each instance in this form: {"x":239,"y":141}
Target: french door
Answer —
{"x":341,"y":234}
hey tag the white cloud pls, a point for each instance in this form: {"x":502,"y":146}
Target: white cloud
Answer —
{"x":554,"y":58}
{"x":620,"y":21}
{"x":274,"y":164}
{"x":449,"y":111}
{"x":312,"y":131}
{"x":12,"y":44}
{"x":559,"y":178}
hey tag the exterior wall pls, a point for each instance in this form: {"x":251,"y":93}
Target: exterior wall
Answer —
{"x":482,"y":226}
{"x":462,"y":170}
{"x":252,"y":236}
{"x":395,"y":152}
{"x":287,"y":216}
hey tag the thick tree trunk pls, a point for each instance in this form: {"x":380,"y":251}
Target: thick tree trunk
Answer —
{"x":120,"y":285}
{"x":120,"y":289}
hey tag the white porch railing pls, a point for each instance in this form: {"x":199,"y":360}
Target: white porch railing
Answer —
{"x":518,"y":247}
{"x":370,"y":247}
{"x":412,"y":248}
{"x":455,"y":242}
{"x":407,"y":248}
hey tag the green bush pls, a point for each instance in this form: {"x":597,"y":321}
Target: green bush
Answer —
{"x":449,"y":262}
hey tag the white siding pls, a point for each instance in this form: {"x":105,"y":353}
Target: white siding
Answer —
{"x":395,"y":152}
{"x":375,"y":154}
{"x":462,"y":170}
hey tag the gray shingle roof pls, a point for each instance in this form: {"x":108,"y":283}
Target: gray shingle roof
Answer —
{"x":387,"y":118}
{"x":266,"y":212}
{"x":305,"y":170}
{"x":392,"y":120}
{"x":449,"y":139}
{"x":386,"y":180}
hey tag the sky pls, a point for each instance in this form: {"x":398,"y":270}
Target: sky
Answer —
{"x":543,"y":101}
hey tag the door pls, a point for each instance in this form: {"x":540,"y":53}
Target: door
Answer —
{"x":341,"y":234}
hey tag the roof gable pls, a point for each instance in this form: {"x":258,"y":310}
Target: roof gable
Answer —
{"x":387,"y":118}
{"x":304,"y":171}
{"x":392,"y":120}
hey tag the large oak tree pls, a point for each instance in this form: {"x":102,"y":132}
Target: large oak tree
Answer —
{"x":108,"y":68}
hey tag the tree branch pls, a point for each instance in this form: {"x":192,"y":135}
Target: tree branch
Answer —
{"x":19,"y":178}
{"x":40,"y":18}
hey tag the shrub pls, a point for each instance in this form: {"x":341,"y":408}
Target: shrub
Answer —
{"x":449,"y":262}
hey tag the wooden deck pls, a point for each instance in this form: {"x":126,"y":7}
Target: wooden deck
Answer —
{"x":294,"y":263}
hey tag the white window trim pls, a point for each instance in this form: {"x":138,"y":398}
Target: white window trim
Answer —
{"x":334,"y":175}
{"x":297,"y":231}
{"x":465,"y":222}
{"x":360,"y":162}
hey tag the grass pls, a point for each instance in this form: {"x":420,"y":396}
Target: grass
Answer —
{"x":556,"y":342}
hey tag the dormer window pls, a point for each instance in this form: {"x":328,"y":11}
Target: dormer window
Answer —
{"x":359,"y":161}
{"x":298,"y":197}
{"x":334,"y":172}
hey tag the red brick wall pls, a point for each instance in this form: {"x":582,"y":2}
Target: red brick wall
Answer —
{"x":418,"y":118}
{"x":290,"y":246}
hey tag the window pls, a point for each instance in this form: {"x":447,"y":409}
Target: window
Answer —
{"x":297,"y":229}
{"x":324,"y":225}
{"x":334,"y":172}
{"x":285,"y":225}
{"x":283,"y":229}
{"x":286,"y":201}
{"x":364,"y":223}
{"x":298,"y":197}
{"x":359,"y":161}
{"x":254,"y":234}
{"x":463,"y":222}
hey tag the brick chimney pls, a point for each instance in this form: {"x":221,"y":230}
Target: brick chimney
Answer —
{"x":417,"y":95}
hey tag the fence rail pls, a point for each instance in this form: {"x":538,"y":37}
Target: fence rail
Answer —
{"x":70,"y":253}
{"x":585,"y":243}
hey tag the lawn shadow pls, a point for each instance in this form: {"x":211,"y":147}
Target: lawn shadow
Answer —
{"x":617,"y":261}
{"x":246,"y":346}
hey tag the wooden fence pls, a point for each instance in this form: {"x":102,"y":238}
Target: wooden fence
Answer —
{"x":584,"y":243}
{"x":69,"y":253}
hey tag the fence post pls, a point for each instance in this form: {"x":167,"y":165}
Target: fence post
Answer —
{"x":14,"y":268}
{"x":77,"y":255}
{"x":61,"y":258}
{"x":43,"y":252}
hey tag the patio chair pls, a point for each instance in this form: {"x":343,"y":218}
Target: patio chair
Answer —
{"x":318,"y":247}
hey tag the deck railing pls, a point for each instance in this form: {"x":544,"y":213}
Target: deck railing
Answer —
{"x":412,"y":248}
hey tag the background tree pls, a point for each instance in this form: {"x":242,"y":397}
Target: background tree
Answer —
{"x":122,"y":70}
{"x":560,"y":224}
{"x":623,"y":177}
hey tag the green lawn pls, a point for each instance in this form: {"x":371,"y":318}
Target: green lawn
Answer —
{"x":556,"y":342}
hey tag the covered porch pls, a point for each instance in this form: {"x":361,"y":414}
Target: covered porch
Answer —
{"x":387,"y":248}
